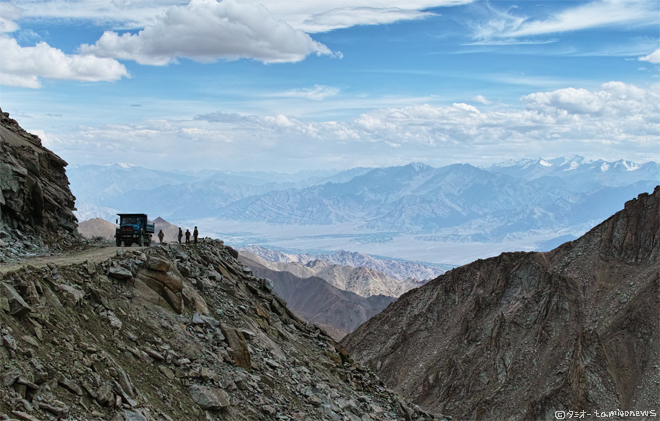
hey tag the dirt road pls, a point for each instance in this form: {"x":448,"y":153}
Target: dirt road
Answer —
{"x":95,"y":254}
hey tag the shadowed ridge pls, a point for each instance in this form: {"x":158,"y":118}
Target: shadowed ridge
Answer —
{"x":521,"y":335}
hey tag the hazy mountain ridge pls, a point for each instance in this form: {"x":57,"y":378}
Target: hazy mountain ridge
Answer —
{"x":456,"y":203}
{"x":400,"y":271}
{"x":362,"y":281}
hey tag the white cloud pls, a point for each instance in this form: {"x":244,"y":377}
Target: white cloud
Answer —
{"x":654,"y":57}
{"x":207,"y":30}
{"x":600,"y":13}
{"x":481,"y":99}
{"x":8,"y":14}
{"x":317,"y":93}
{"x":352,"y":16}
{"x":617,"y":120}
{"x":309,"y":16}
{"x":23,"y":66}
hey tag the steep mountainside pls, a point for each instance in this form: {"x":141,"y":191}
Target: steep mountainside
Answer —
{"x":35,"y":198}
{"x":316,"y":300}
{"x":97,"y":227}
{"x":522,"y":335}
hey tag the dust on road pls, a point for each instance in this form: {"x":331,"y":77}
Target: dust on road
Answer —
{"x":95,"y":254}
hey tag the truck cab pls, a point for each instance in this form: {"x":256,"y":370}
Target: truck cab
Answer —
{"x":133,"y":228}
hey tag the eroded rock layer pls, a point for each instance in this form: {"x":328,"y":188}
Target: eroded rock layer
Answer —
{"x":522,"y":335}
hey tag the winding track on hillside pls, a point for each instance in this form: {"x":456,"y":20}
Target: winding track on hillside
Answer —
{"x":93,"y":254}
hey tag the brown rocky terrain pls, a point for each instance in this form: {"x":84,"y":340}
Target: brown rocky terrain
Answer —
{"x":316,"y":300}
{"x":97,"y":227}
{"x":172,"y":333}
{"x":522,"y":335}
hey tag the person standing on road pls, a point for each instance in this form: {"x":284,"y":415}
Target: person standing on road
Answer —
{"x":180,"y":235}
{"x":187,"y":236}
{"x":161,"y":236}
{"x":195,"y":235}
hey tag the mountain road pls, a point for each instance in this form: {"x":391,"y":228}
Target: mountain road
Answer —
{"x":94,"y":254}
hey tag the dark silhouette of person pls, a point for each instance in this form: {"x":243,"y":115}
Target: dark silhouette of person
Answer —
{"x":180,"y":235}
{"x":195,"y":235}
{"x":161,"y":236}
{"x":187,"y":236}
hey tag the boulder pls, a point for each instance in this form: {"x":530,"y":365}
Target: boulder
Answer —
{"x":104,"y":395}
{"x":158,"y":264}
{"x":169,"y":279}
{"x":17,"y":306}
{"x":120,"y":273}
{"x":72,"y":295}
{"x":174,"y":300}
{"x":236,"y":341}
{"x":210,"y":398}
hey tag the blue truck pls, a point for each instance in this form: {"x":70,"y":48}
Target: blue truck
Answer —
{"x":133,"y":228}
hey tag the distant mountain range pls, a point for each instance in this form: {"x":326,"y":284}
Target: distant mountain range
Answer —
{"x":309,"y":264}
{"x":549,"y":198}
{"x":316,"y":300}
{"x":361,"y":280}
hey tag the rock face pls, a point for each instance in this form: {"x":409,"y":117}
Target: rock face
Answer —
{"x":522,"y":335}
{"x":35,"y":198}
{"x":102,"y":340}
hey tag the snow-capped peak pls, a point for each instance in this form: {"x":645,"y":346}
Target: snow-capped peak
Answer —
{"x":545,"y":163}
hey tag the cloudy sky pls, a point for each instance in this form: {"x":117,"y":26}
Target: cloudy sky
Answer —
{"x":291,"y":85}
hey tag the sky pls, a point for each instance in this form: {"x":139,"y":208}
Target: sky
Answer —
{"x":285,"y":86}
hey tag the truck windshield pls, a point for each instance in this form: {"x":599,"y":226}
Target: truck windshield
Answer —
{"x":129,"y":220}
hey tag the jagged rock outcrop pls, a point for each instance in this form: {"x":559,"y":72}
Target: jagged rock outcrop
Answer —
{"x":99,"y":340}
{"x":35,"y":190}
{"x":522,"y":335}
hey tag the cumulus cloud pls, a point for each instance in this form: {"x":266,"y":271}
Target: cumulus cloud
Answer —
{"x":481,"y":99}
{"x":208,"y":30}
{"x":654,"y":57}
{"x":618,"y":120}
{"x":23,"y":66}
{"x":8,"y":14}
{"x":600,"y":13}
{"x":317,"y":93}
{"x":617,"y":112}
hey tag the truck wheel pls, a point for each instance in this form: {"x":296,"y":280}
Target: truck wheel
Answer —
{"x":118,"y":243}
{"x":148,"y":241}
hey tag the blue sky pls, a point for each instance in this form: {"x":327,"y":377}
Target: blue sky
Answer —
{"x":287,"y":86}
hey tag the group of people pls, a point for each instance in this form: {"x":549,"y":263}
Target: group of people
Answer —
{"x":195,"y":235}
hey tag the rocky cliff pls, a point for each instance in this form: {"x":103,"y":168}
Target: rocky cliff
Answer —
{"x":522,"y":335}
{"x":35,"y":200}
